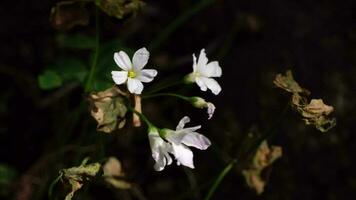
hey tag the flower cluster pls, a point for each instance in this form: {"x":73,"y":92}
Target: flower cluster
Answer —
{"x":176,"y":142}
{"x":166,"y":142}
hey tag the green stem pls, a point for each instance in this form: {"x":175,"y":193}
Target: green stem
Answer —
{"x":219,"y":179}
{"x":166,"y":94}
{"x":178,"y":22}
{"x":96,"y":53}
{"x":142,"y":116}
{"x":165,"y":87}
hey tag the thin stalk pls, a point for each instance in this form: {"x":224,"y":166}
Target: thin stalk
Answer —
{"x":142,"y":116}
{"x":166,"y":94}
{"x":164,"y":87}
{"x":219,"y":179}
{"x":96,"y":53}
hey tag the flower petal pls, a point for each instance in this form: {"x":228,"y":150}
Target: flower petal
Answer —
{"x":196,"y":140}
{"x":212,"y":84}
{"x":134,"y":85}
{"x":183,"y":155}
{"x":182,"y":122}
{"x":210,"y":109}
{"x":194,"y":63}
{"x":176,"y":137}
{"x":123,"y":60}
{"x":140,"y":58}
{"x":201,"y":83}
{"x":119,"y":77}
{"x":147,"y":75}
{"x":212,"y":69}
{"x":202,"y":60}
{"x":159,"y":149}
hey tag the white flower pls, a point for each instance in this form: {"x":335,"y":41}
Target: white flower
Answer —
{"x":182,"y":138}
{"x":199,"y":102}
{"x":159,"y":149}
{"x":133,"y":72}
{"x":203,"y":72}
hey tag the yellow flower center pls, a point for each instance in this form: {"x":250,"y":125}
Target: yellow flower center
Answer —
{"x":132,"y":74}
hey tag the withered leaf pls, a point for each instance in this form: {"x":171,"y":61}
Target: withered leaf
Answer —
{"x":287,"y":83}
{"x":108,"y":109}
{"x":313,"y":113}
{"x":119,"y":8}
{"x":316,"y":113}
{"x":262,"y":159}
{"x":113,"y":174}
{"x":76,"y":176}
{"x":67,"y":14}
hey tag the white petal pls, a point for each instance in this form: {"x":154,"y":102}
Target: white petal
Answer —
{"x":147,"y":75}
{"x":119,"y":77}
{"x":183,"y":155}
{"x":140,"y":58}
{"x":202,"y":60}
{"x":212,"y":69}
{"x":182,"y":122}
{"x":196,"y":140}
{"x":123,"y":60}
{"x":201,"y":83}
{"x":160,"y":150}
{"x":212,"y":84}
{"x":176,"y":137}
{"x":210,"y":110}
{"x":134,"y":85}
{"x":194,"y":63}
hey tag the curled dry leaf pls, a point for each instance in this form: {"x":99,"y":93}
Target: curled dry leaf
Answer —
{"x":313,"y":113}
{"x":119,"y":8}
{"x":262,"y":159}
{"x":76,"y":176}
{"x":108,"y":109}
{"x":67,"y":14}
{"x":113,"y":174}
{"x":288,"y":83}
{"x":316,"y":113}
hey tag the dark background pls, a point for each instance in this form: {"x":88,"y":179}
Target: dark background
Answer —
{"x":253,"y":41}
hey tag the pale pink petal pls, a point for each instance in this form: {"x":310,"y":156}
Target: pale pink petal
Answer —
{"x":196,"y":140}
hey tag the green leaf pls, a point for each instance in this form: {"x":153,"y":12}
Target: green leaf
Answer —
{"x":7,"y":174}
{"x":76,"y":41}
{"x":71,"y":69}
{"x":49,"y":79}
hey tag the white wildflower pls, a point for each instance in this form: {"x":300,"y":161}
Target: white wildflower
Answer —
{"x":133,"y":73}
{"x":182,"y":138}
{"x":203,"y":72}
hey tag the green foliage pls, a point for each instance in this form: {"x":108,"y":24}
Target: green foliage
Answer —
{"x":7,"y":175}
{"x":76,"y":41}
{"x":62,"y":71}
{"x":49,"y":79}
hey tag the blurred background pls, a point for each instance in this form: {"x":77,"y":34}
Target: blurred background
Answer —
{"x":46,"y":124}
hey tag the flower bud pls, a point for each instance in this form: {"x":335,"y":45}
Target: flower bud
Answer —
{"x":199,"y":102}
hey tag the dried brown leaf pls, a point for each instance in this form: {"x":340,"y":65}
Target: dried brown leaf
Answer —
{"x":119,"y":8}
{"x":76,"y":176}
{"x":288,"y":83}
{"x":67,"y":14}
{"x":313,"y":113}
{"x":108,"y":109}
{"x":316,"y":113}
{"x":113,"y":174}
{"x":262,"y":159}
